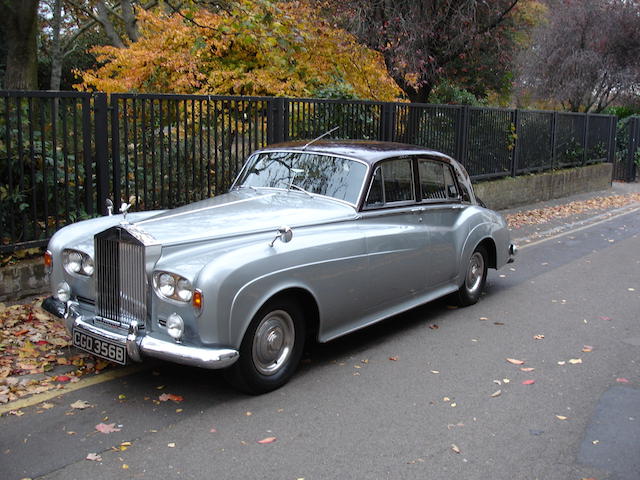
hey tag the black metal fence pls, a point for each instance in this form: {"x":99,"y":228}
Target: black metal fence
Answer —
{"x":63,"y":153}
{"x":627,"y":159}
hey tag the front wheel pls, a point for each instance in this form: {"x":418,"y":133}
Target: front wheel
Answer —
{"x":475,"y":277}
{"x":271,"y":348}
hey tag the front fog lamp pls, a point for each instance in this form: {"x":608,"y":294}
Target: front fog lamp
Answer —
{"x":175,"y":326}
{"x":77,"y":262}
{"x":63,"y":292}
{"x":172,"y":286}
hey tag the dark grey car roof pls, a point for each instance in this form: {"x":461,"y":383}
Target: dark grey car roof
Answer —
{"x":366,"y":150}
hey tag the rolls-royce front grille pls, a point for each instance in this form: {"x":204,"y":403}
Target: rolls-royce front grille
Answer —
{"x":121,"y":286}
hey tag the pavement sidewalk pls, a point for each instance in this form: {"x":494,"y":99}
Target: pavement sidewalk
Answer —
{"x":533,"y":222}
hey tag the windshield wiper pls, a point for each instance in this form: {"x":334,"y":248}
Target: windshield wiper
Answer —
{"x":300,"y":189}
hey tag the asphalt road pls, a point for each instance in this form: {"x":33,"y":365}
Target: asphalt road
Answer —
{"x":351,"y":412}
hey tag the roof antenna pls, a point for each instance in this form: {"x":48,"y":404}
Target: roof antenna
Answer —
{"x":321,"y":136}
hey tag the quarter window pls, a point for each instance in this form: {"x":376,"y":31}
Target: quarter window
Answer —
{"x":436,"y":181}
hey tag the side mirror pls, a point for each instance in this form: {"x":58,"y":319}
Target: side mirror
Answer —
{"x":285,"y":234}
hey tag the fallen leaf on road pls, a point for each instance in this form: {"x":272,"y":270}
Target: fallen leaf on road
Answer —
{"x":527,"y":369}
{"x":561,"y":417}
{"x":538,"y":337}
{"x":170,"y":396}
{"x":267,"y":440}
{"x":94,"y":457}
{"x":528,"y":382}
{"x":587,"y":348}
{"x":107,"y":428}
{"x":484,"y":318}
{"x":47,"y":406}
{"x":434,"y":327}
{"x":575,"y":361}
{"x":80,"y":405}
{"x":515,"y":361}
{"x":455,"y":448}
{"x":497,"y":393}
{"x":622,"y":380}
{"x":435,"y":372}
{"x":171,"y":445}
{"x":62,"y":378}
{"x":498,"y":323}
{"x":393,"y":359}
{"x":562,"y":362}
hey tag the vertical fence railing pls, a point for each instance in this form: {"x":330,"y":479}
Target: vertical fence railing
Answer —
{"x":47,"y":169}
{"x":62,"y":154}
{"x":627,"y":150}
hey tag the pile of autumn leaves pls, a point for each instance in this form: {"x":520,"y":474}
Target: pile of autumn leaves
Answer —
{"x":32,"y":344}
{"x":547,"y":214}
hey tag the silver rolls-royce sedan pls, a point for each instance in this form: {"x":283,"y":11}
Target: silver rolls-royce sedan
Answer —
{"x":313,"y":241}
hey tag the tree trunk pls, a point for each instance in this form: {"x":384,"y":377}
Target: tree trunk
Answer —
{"x":20,"y":24}
{"x":56,"y":48}
{"x":109,"y":29}
{"x":130,"y":21}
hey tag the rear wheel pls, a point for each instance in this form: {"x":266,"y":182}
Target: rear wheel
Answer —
{"x":271,"y":348}
{"x":475,"y":277}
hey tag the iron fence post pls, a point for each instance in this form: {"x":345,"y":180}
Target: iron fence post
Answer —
{"x":613,"y":127}
{"x":462,"y":134}
{"x":387,"y":120}
{"x":100,"y":111}
{"x":276,"y":123}
{"x":633,"y":147}
{"x":554,"y":140}
{"x":514,"y":151}
{"x":115,"y":150}
{"x":88,"y":161}
{"x":585,"y":141}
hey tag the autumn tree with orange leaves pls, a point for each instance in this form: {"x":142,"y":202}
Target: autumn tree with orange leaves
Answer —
{"x":252,"y":48}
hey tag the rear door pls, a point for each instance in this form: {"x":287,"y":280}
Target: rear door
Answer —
{"x":442,"y":213}
{"x":395,"y":235}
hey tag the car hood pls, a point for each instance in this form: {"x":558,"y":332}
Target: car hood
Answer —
{"x":242,"y":212}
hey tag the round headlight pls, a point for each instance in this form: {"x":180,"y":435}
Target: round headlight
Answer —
{"x":175,"y":326}
{"x":74,"y":262}
{"x":63,"y":292}
{"x":183,"y":290}
{"x":166,"y":284}
{"x":87,"y":265}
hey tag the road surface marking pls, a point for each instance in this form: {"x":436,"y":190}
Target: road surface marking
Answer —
{"x":72,"y":387}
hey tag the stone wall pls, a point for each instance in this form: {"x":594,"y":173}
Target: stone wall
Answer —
{"x":22,"y":279}
{"x":511,"y":192}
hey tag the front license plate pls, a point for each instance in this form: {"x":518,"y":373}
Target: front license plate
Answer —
{"x":101,"y":347}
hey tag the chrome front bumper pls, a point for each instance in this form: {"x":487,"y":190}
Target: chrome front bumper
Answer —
{"x":138,"y":344}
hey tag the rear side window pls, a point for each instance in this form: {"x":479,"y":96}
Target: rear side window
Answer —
{"x":436,"y":181}
{"x":392,"y":182}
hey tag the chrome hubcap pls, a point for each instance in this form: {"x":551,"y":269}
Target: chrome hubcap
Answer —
{"x":475,"y":272}
{"x":273,"y":342}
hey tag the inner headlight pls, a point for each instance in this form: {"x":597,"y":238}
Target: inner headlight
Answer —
{"x":172,"y":286}
{"x":77,"y":262}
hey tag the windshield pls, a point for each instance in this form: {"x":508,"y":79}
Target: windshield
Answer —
{"x":335,"y":177}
